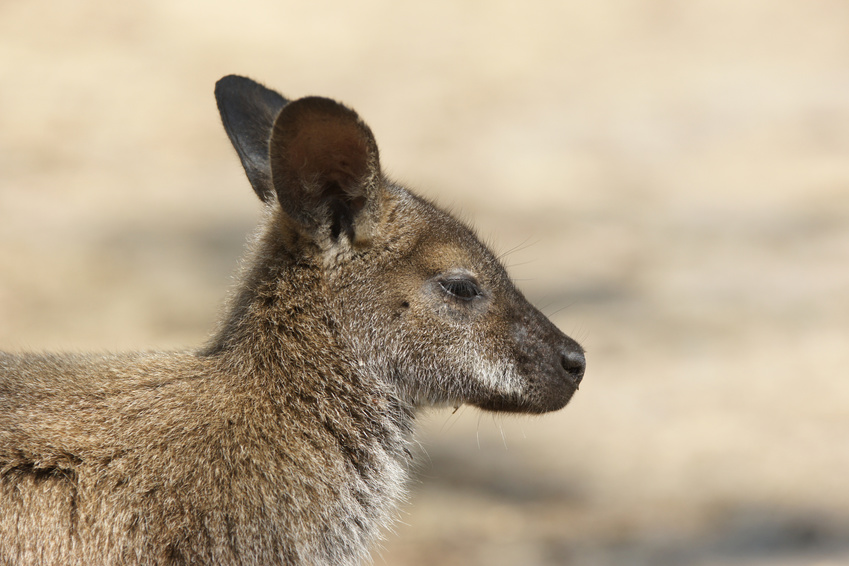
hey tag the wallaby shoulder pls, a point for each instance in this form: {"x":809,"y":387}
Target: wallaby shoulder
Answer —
{"x":249,"y":451}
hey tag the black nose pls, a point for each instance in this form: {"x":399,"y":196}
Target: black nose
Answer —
{"x":574,"y":363}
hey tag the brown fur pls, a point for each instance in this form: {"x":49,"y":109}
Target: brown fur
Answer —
{"x":283,"y":440}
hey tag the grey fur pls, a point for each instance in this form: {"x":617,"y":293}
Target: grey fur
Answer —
{"x":284,"y":439}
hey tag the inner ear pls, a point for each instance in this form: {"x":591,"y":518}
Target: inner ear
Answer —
{"x":325,"y":168}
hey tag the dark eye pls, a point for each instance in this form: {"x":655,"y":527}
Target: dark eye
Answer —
{"x":465,"y":289}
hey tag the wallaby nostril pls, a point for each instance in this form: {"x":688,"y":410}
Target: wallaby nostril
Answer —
{"x":574,"y":363}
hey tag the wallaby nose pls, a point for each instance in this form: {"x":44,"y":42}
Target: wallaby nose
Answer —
{"x":575,"y":364}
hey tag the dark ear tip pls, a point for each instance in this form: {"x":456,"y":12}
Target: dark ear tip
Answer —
{"x":230,"y":84}
{"x":228,"y":79}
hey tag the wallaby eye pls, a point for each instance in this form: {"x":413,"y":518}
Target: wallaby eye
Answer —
{"x":464,"y":289}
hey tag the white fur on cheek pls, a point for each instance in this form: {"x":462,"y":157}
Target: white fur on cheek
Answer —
{"x":500,"y":377}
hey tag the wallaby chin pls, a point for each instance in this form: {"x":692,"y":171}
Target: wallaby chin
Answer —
{"x":284,"y":440}
{"x":555,"y":402}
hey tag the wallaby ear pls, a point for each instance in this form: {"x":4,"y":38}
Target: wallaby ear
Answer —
{"x":326,"y":169}
{"x":248,"y":110}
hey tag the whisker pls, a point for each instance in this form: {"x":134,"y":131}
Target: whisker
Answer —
{"x":525,"y":244}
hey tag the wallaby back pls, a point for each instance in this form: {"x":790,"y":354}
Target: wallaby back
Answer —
{"x":284,"y":439}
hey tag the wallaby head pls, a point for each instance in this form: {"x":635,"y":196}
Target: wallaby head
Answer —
{"x":414,"y":296}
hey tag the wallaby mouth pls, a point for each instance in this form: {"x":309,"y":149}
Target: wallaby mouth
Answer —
{"x":550,"y":381}
{"x":549,"y":364}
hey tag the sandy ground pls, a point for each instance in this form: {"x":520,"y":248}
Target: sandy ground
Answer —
{"x":671,"y":181}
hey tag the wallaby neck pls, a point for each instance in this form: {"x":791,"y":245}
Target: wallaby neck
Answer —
{"x":280,"y":324}
{"x":279,"y":342}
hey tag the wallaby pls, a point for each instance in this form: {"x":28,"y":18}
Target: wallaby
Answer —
{"x":284,"y":440}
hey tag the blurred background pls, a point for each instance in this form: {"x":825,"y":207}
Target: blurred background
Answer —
{"x":669,"y":182}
